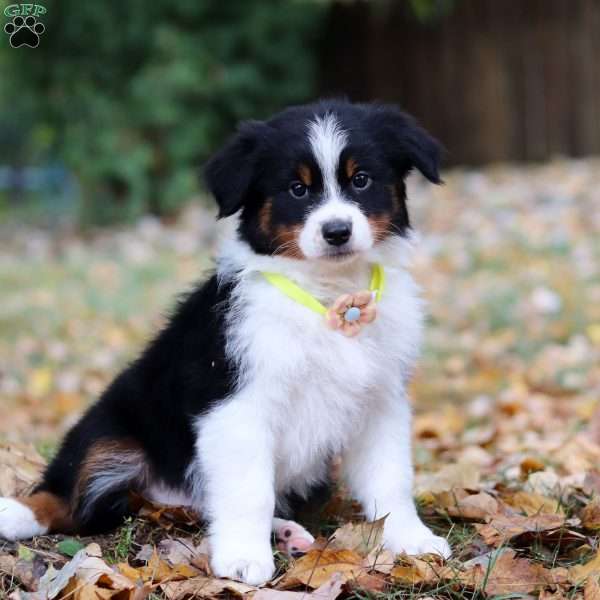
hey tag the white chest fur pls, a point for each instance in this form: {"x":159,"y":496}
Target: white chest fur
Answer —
{"x":313,"y":387}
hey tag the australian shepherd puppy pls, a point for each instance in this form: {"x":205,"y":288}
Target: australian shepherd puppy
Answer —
{"x":239,"y":405}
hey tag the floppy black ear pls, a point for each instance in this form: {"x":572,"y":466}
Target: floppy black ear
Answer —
{"x":230,"y":174}
{"x":406,"y":144}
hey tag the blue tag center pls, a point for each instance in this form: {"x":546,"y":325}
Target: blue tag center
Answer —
{"x":352,"y":314}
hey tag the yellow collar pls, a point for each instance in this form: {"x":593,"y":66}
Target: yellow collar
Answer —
{"x":349,"y":312}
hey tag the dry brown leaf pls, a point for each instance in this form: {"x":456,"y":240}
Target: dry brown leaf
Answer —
{"x":531,"y":465}
{"x":532,"y":504}
{"x":380,"y":560}
{"x":317,"y":566}
{"x":204,"y":587}
{"x":158,"y":571}
{"x":449,"y":477}
{"x":330,"y":590}
{"x":592,"y":589}
{"x":508,"y":574}
{"x":359,"y":537}
{"x":578,"y":574}
{"x":591,"y":483}
{"x":412,"y":571}
{"x":87,"y":568}
{"x":505,"y":527}
{"x":20,"y":467}
{"x":368,"y":582}
{"x":461,"y":504}
{"x":168,"y":516}
{"x":590,"y":515}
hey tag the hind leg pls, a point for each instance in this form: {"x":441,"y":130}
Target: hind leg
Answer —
{"x":290,"y":537}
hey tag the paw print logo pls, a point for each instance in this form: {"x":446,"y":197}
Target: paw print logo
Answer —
{"x":24,"y":32}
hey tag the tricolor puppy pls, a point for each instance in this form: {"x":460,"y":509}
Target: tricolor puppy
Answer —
{"x":298,"y":348}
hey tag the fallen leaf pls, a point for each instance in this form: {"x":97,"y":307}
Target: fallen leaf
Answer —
{"x":380,"y":560}
{"x":507,"y":574}
{"x":590,"y":515}
{"x":449,"y":477}
{"x":359,"y":537}
{"x":578,"y":574}
{"x":532,"y":504}
{"x":505,"y":527}
{"x":204,"y":587}
{"x":413,"y":570}
{"x":88,"y":568}
{"x":461,"y":504}
{"x":591,"y":590}
{"x":531,"y":465}
{"x":69,"y":547}
{"x":21,"y":466}
{"x":317,"y":566}
{"x":329,"y":590}
{"x":157,"y":571}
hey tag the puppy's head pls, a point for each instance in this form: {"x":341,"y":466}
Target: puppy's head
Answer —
{"x":323,"y":181}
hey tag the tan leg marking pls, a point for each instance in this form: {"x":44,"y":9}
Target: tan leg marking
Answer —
{"x":50,"y":511}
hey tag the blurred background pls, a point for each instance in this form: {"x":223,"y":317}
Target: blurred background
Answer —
{"x":103,"y":128}
{"x":111,"y":116}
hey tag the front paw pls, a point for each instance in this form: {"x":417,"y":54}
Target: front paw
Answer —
{"x":414,"y":540}
{"x":246,"y":562}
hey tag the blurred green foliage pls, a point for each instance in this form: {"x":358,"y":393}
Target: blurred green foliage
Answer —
{"x":133,"y":96}
{"x":431,"y":10}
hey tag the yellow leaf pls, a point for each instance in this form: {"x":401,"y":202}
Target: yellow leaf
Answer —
{"x":533,"y":504}
{"x":414,"y":570}
{"x":40,"y":382}
{"x":360,"y":537}
{"x":579,"y":573}
{"x":317,"y":566}
{"x":593,"y":332}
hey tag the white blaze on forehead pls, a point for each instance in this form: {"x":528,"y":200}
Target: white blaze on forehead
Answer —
{"x":327,"y":140}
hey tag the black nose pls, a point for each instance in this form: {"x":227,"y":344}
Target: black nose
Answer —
{"x":337,"y":232}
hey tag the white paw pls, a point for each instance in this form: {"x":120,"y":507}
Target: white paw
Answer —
{"x":249,"y":563}
{"x":17,"y":521}
{"x":291,"y":537}
{"x":416,"y":539}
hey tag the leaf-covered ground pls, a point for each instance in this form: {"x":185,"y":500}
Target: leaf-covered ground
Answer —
{"x":507,"y":427}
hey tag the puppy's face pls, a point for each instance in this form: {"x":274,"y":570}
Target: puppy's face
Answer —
{"x":323,"y":181}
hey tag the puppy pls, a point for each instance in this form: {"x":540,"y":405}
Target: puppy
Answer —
{"x":284,"y":358}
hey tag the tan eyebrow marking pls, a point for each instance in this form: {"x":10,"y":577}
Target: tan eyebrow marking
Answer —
{"x":351,"y":167}
{"x":265,"y":215}
{"x":305,"y":174}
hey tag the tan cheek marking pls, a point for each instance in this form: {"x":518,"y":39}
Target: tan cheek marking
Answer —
{"x":351,"y":167}
{"x":287,"y":241}
{"x":305,"y":175}
{"x":381,"y":225}
{"x":264,"y":217}
{"x":50,"y":511}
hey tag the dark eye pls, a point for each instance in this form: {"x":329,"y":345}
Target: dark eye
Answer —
{"x":298,"y":190}
{"x":361,"y":181}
